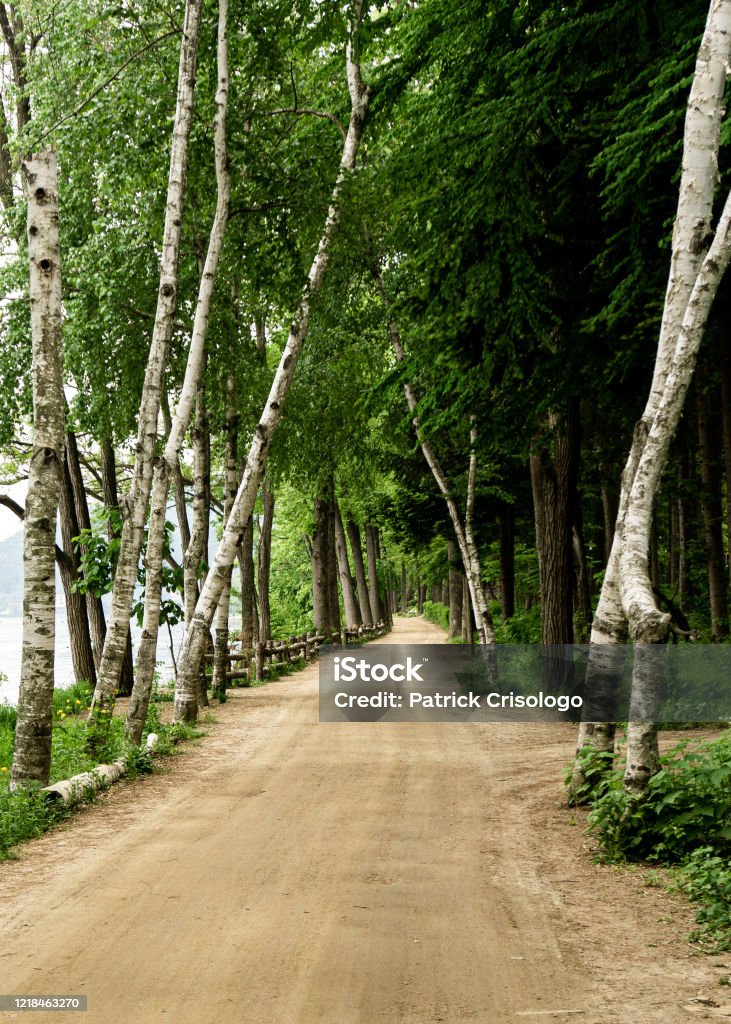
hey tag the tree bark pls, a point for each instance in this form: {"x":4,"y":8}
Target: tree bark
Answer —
{"x":467,"y":619}
{"x":325,"y":605}
{"x":111,"y":500}
{"x":135,"y":509}
{"x":181,"y":506}
{"x":356,"y":548}
{"x":82,"y":521}
{"x":194,"y":553}
{"x":32,"y":750}
{"x":610,"y":507}
{"x":712,"y":505}
{"x":507,"y":561}
{"x":725,"y":368}
{"x":456,"y":580}
{"x":353,"y":617}
{"x":220,"y":651}
{"x":374,"y":599}
{"x":249,"y":617}
{"x":82,"y":654}
{"x":264,"y":557}
{"x":554,"y":472}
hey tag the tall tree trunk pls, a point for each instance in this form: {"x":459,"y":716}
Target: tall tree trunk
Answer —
{"x":82,"y":654}
{"x":507,"y":561}
{"x":220,"y":653}
{"x":688,"y":515}
{"x":610,"y":507}
{"x":627,"y":563}
{"x":356,"y":548}
{"x":82,"y":521}
{"x":181,"y":507}
{"x":581,"y":580}
{"x":325,"y":606}
{"x":554,"y":471}
{"x":332,"y":567}
{"x":249,"y":617}
{"x":467,"y":618}
{"x":169,"y":465}
{"x":373,"y":596}
{"x":712,"y":505}
{"x":264,"y":557}
{"x":32,"y":751}
{"x":674,"y":552}
{"x":185,"y":702}
{"x":352,"y":610}
{"x":134,"y":511}
{"x":111,"y":500}
{"x":725,"y":368}
{"x":456,"y":580}
{"x":404,"y":589}
{"x":194,"y":553}
{"x":647,"y":624}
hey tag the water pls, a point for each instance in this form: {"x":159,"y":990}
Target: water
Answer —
{"x":11,"y":640}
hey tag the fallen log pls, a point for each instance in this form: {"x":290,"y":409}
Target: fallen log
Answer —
{"x":84,"y":785}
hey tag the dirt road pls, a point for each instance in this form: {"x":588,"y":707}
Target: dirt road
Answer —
{"x":288,"y":872}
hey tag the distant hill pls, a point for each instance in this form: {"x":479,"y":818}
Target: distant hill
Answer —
{"x":11,"y":575}
{"x":11,"y":571}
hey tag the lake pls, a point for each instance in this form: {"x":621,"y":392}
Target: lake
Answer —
{"x":11,"y":641}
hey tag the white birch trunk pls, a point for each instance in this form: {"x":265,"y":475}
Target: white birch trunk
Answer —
{"x":186,"y":705}
{"x":134,"y":510}
{"x":220,"y":661}
{"x":170,"y":459}
{"x":691,"y":236}
{"x":647,"y":624}
{"x":32,"y":752}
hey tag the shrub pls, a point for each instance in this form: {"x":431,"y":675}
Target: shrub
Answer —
{"x":706,"y":878}
{"x":687,"y":805}
{"x":436,"y":612}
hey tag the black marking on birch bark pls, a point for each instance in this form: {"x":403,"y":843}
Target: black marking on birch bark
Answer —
{"x":40,"y":194}
{"x":166,"y":290}
{"x":45,"y":454}
{"x":45,"y":265}
{"x":33,"y":230}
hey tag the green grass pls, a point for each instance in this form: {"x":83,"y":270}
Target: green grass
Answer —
{"x":25,"y":815}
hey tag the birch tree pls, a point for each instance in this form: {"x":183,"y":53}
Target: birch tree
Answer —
{"x":626,"y":606}
{"x":135,"y":509}
{"x":32,"y":752}
{"x":186,"y":702}
{"x":165,"y":468}
{"x":231,"y":486}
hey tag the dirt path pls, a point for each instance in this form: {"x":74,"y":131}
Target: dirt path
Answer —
{"x":287,"y":872}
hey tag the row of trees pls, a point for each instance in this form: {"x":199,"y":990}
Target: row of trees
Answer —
{"x":368,"y":282}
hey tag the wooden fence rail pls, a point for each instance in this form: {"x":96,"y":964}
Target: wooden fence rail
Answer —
{"x":257,"y":662}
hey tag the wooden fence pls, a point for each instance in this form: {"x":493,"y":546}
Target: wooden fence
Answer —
{"x":257,"y":663}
